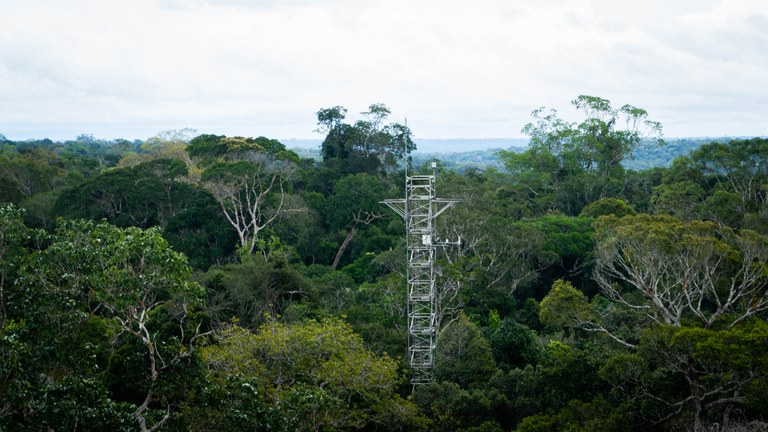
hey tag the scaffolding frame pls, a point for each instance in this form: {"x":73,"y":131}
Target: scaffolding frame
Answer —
{"x":419,"y":209}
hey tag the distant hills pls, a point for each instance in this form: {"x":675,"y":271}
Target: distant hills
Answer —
{"x":432,"y":145}
{"x":464,"y":154}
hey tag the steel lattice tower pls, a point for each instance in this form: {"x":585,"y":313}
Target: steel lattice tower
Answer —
{"x":419,"y":210}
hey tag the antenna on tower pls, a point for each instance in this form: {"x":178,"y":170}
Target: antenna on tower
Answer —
{"x":407,"y":148}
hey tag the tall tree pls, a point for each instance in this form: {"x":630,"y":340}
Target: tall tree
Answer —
{"x":369,"y":145}
{"x":682,"y":270}
{"x":723,"y":182}
{"x":251,"y":192}
{"x":576,"y":163}
{"x":600,"y":142}
{"x":89,"y":304}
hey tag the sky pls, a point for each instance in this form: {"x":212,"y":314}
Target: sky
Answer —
{"x":451,"y":68}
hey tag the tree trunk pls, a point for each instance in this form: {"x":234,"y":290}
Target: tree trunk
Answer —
{"x":726,"y":424}
{"x":693,"y":381}
{"x":344,"y":245}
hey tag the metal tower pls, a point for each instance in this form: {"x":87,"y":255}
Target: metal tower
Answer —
{"x":419,"y":210}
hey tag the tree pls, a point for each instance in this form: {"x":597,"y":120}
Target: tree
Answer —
{"x":463,"y":355}
{"x":738,"y":166}
{"x":169,"y":144}
{"x":251,"y":194}
{"x":514,"y":345}
{"x":369,"y":145}
{"x":377,"y":312}
{"x":720,"y":181}
{"x":455,"y":408}
{"x":128,"y":276}
{"x":151,"y":194}
{"x":536,"y":179}
{"x":199,"y":231}
{"x":608,"y":206}
{"x":329,"y":119}
{"x":570,"y":164}
{"x":86,"y":299}
{"x":13,"y":236}
{"x":599,"y":143}
{"x":144,"y":195}
{"x":695,"y":269}
{"x":314,"y":376}
{"x":564,"y":305}
{"x":253,"y":291}
{"x":497,"y":255}
{"x":211,"y":148}
{"x":595,"y":415}
{"x":24,"y":174}
{"x":682,"y":199}
{"x":565,"y":375}
{"x":709,"y":372}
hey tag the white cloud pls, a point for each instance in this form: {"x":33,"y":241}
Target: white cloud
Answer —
{"x":454,"y":68}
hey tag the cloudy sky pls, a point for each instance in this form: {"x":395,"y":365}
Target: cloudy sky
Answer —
{"x":453,"y":68}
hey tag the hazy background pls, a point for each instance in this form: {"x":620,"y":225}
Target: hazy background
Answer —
{"x":454,"y":69}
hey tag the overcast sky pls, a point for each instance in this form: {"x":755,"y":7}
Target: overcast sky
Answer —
{"x":453,"y":68}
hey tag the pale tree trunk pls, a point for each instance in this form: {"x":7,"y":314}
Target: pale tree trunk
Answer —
{"x":141,"y":331}
{"x":243,"y":202}
{"x":697,"y":405}
{"x":343,"y":247}
{"x":358,"y":219}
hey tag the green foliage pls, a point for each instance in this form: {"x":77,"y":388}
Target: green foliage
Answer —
{"x":514,"y":345}
{"x":569,"y":165}
{"x":682,"y":269}
{"x":146,"y":195}
{"x":252,"y":291}
{"x":14,"y":236}
{"x":529,"y":314}
{"x":579,"y":416}
{"x":563,"y":373}
{"x":207,"y":145}
{"x":313,"y":375}
{"x":198,"y":231}
{"x":645,"y":322}
{"x":354,"y":197}
{"x":252,"y":191}
{"x":608,"y":206}
{"x":463,"y":356}
{"x":114,"y":266}
{"x":564,"y":306}
{"x":704,"y":371}
{"x":649,"y":155}
{"x":568,"y":244}
{"x":455,"y":408}
{"x":378,"y":313}
{"x":368,"y":146}
{"x":231,"y":403}
{"x":638,"y":187}
{"x":721,"y":181}
{"x":681,"y":199}
{"x":83,"y":299}
{"x":213,"y":147}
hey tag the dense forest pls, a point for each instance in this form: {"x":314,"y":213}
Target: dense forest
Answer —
{"x":206,"y":282}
